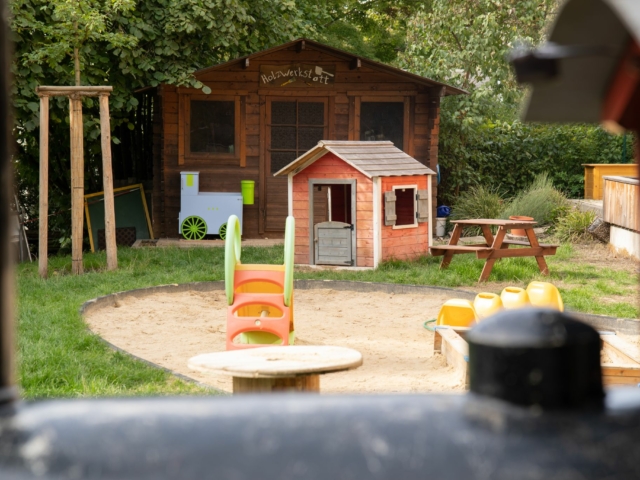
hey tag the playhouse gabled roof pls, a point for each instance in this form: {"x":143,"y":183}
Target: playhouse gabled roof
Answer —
{"x":372,"y":159}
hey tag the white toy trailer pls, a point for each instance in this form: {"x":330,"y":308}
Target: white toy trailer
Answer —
{"x":205,"y":213}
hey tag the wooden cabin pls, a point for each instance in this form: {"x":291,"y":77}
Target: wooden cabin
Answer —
{"x":357,"y":203}
{"x":264,"y":110}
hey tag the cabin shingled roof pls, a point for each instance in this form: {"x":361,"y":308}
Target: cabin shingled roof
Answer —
{"x":448,"y":89}
{"x":373,"y":159}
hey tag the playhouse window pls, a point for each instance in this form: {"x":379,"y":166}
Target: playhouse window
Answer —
{"x":212,"y":127}
{"x":382,"y":121}
{"x":405,"y":206}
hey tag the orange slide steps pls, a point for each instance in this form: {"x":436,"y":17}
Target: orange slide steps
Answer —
{"x":260,"y":297}
{"x":258,"y":312}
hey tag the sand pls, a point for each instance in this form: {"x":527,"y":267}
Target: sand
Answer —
{"x":169,"y":328}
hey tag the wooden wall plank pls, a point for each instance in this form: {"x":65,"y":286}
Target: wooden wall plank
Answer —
{"x":243,"y":133}
{"x":262,"y":184}
{"x":620,"y":202}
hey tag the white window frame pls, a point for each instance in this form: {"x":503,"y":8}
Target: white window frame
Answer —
{"x":415,"y":206}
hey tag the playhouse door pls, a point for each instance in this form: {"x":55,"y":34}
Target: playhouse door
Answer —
{"x":293,"y":127}
{"x":333,"y":243}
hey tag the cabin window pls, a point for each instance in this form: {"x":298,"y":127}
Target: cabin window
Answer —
{"x":209,"y":128}
{"x":405,"y":206}
{"x":212,"y":127}
{"x":382,"y":121}
{"x":295,"y":127}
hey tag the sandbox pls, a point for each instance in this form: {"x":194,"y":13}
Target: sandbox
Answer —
{"x":167,"y":326}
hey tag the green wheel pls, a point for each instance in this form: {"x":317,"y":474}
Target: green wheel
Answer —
{"x":223,"y":231}
{"x":194,"y":228}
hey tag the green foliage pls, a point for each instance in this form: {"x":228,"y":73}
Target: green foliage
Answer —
{"x":374,"y":29}
{"x":71,"y":24}
{"x":511,"y":154}
{"x":540,"y":200}
{"x":464,"y":43}
{"x":478,"y":202}
{"x":572,"y":227}
{"x":128,"y":44}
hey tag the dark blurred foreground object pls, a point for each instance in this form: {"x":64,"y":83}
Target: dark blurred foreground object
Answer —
{"x":590,"y":68}
{"x":536,"y":357}
{"x":536,"y":411}
{"x":446,"y":437}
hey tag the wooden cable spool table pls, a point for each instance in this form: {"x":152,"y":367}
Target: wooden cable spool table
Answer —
{"x":277,"y":369}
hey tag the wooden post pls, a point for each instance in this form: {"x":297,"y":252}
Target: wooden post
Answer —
{"x":77,"y":182}
{"x":44,"y":187}
{"x":107,"y":181}
{"x":75,"y":95}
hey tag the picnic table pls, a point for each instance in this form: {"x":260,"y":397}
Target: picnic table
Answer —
{"x":495,"y":247}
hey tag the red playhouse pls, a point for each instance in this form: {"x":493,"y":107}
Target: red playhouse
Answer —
{"x":359,"y":203}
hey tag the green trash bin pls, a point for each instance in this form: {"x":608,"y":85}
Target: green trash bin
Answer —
{"x":247,"y":188}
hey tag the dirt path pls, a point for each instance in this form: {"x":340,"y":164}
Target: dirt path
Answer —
{"x":168,"y":329}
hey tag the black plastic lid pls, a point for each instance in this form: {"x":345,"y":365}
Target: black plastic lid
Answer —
{"x":536,"y":357}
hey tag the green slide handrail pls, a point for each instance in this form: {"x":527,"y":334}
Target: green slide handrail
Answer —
{"x":232,"y":253}
{"x":289,"y":248}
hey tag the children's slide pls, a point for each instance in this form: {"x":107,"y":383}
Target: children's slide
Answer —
{"x":260,"y":297}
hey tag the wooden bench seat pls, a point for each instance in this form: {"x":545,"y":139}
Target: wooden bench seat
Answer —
{"x":488,"y":252}
{"x":527,"y":244}
{"x":505,"y":242}
{"x":442,"y":249}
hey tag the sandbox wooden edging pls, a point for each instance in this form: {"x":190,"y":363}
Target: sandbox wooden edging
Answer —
{"x":451,"y":343}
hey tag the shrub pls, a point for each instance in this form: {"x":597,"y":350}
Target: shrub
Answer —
{"x":540,"y":200}
{"x":573,"y":226}
{"x":509,"y":154}
{"x":478,"y":202}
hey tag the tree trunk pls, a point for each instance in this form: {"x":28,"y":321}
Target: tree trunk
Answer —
{"x":76,"y":65}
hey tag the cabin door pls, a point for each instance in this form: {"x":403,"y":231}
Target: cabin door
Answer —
{"x":293,"y":126}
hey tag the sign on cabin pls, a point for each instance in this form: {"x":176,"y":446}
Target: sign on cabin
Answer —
{"x":297,"y":75}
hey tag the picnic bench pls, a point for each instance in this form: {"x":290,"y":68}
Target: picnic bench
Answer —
{"x":495,"y":247}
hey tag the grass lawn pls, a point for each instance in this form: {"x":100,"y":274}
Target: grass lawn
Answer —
{"x":58,"y":356}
